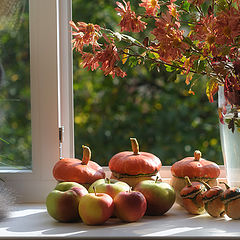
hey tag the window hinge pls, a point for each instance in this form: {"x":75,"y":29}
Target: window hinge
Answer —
{"x":61,"y":137}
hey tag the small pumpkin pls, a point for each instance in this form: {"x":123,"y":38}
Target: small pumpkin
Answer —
{"x":213,"y":202}
{"x":231,"y":200}
{"x":82,"y":171}
{"x":133,"y":167}
{"x":191,"y":195}
{"x":197,"y":169}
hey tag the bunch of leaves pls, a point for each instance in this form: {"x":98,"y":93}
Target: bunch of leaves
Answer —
{"x":189,"y":37}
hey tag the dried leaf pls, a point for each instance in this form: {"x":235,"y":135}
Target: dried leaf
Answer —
{"x":220,"y":115}
{"x":146,"y":42}
{"x":231,"y":125}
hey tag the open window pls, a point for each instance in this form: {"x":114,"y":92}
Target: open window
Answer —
{"x":49,"y":65}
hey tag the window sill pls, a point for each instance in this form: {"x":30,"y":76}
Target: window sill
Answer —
{"x":31,"y":221}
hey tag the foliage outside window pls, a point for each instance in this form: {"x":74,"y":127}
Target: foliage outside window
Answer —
{"x":15,"y":115}
{"x":155,"y":107}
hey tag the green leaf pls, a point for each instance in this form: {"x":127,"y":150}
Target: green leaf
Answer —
{"x":1,"y":139}
{"x":221,"y":5}
{"x":188,"y":41}
{"x":201,"y":66}
{"x":132,"y":62}
{"x":186,"y":5}
{"x":169,"y":68}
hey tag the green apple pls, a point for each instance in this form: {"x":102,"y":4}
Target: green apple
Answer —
{"x":62,"y":202}
{"x":95,"y":208}
{"x":110,"y":186}
{"x":160,"y":196}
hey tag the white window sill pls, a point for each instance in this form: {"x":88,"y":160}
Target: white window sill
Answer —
{"x":31,"y":221}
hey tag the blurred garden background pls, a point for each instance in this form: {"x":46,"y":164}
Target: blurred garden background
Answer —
{"x":15,"y":112}
{"x":153,"y":106}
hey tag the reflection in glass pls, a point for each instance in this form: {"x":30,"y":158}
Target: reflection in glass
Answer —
{"x":15,"y":115}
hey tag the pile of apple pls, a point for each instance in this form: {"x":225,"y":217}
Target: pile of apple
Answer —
{"x":135,"y":188}
{"x":105,"y":198}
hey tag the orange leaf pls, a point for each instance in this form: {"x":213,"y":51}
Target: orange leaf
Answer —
{"x":188,"y":78}
{"x":191,"y":92}
{"x":125,"y":56}
{"x":211,"y":89}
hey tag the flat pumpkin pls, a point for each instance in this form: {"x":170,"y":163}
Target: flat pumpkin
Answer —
{"x":134,"y":162}
{"x":195,"y":167}
{"x":82,"y":171}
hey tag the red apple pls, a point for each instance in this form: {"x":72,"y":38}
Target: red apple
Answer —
{"x":110,"y":186}
{"x":160,"y":196}
{"x":95,"y":208}
{"x":62,"y":202}
{"x":130,"y":206}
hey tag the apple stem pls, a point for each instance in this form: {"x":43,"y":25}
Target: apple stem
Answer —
{"x":226,"y":185}
{"x":86,"y":155}
{"x":156,"y":179}
{"x":94,"y":189}
{"x":197,"y":155}
{"x":135,"y":146}
{"x":189,"y":184}
{"x":108,"y":180}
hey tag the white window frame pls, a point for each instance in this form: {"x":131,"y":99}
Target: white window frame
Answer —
{"x":51,"y":65}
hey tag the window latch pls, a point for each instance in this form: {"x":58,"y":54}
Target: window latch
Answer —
{"x":61,"y":138}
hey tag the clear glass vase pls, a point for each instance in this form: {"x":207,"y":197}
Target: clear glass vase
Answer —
{"x":230,"y":141}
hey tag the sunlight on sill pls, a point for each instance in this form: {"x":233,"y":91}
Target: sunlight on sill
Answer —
{"x":171,"y":232}
{"x":10,"y":170}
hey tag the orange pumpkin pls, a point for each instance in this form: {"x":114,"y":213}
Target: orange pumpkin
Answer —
{"x":133,"y":167}
{"x":197,"y":169}
{"x":82,"y":171}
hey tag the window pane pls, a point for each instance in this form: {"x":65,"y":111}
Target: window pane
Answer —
{"x":15,"y":116}
{"x":152,"y":106}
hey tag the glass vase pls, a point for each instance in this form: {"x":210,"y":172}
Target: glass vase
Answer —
{"x":230,"y":140}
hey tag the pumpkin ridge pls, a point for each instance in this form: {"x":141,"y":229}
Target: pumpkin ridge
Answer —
{"x":122,"y":175}
{"x":194,"y":178}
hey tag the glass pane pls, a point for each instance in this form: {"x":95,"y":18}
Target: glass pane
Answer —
{"x":154,"y":107}
{"x":15,"y":116}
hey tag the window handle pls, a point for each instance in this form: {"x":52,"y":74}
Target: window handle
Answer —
{"x":61,"y":138}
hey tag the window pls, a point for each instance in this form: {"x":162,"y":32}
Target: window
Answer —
{"x":45,"y":17}
{"x":165,"y":119}
{"x":15,"y":116}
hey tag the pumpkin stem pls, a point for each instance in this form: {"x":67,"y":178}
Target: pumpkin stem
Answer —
{"x":226,"y":185}
{"x":86,"y":155}
{"x":197,"y":155}
{"x":135,"y":146}
{"x":189,"y":184}
{"x":205,"y":184}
